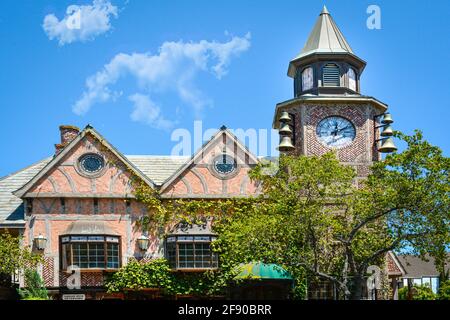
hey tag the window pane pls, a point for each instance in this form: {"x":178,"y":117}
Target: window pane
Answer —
{"x":194,"y":254}
{"x":79,"y":238}
{"x":352,"y":79}
{"x":80,"y":257}
{"x":185,"y":238}
{"x":96,"y":255}
{"x":307,"y":79}
{"x":113,"y":256}
{"x":171,"y":254}
{"x":65,"y":239}
{"x":112,"y":239}
{"x":201,"y":238}
{"x":91,"y":255}
{"x":96,"y":238}
{"x":434,"y":284}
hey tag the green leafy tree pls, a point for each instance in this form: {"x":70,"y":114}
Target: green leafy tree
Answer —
{"x":15,"y":257}
{"x":314,"y":216}
{"x":35,"y":288}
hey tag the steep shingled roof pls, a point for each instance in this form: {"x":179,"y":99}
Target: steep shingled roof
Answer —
{"x":11,"y":207}
{"x":415,"y":267}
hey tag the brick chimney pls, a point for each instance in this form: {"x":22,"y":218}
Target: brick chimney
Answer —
{"x":68,"y":133}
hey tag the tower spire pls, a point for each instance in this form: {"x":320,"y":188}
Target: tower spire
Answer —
{"x":325,"y":38}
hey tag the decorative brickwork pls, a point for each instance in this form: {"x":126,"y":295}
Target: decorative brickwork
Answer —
{"x":392,"y":267}
{"x":88,"y":279}
{"x":357,"y":151}
{"x":360,"y":153}
{"x":48,"y":274}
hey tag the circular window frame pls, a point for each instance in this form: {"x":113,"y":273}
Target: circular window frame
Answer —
{"x":224,"y":176}
{"x":335,"y":147}
{"x":86,"y":173}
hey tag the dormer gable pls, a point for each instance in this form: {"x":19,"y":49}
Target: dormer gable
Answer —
{"x":218,"y":170}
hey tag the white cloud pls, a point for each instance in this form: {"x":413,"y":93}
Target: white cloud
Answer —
{"x":146,"y":111}
{"x":172,"y":69}
{"x":81,"y":23}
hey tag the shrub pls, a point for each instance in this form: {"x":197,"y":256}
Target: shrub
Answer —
{"x":444,"y":291}
{"x":35,"y":289}
{"x":417,"y":292}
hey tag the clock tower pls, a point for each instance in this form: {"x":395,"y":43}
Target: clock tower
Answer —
{"x":328,"y":111}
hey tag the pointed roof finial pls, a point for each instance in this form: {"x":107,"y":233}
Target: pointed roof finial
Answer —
{"x":324,"y":10}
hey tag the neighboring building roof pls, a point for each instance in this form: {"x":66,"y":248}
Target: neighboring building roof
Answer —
{"x":415,"y":267}
{"x":394,"y":267}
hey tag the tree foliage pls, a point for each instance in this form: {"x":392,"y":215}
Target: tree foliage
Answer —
{"x":316,"y":219}
{"x":35,"y":288}
{"x":444,"y":290}
{"x":157,"y":274}
{"x":336,"y":228}
{"x":14,"y":257}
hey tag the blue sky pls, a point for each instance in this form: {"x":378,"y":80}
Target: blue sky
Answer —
{"x":234,"y":58}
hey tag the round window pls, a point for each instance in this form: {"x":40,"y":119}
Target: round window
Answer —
{"x":224,"y":164}
{"x":91,"y":163}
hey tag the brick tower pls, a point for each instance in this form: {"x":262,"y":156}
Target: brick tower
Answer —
{"x":328,"y":111}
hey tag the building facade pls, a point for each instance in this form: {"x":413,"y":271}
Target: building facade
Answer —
{"x":77,"y":207}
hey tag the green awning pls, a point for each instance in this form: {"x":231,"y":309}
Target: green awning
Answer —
{"x":259,"y":270}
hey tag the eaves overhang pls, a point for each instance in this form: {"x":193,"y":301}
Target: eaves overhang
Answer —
{"x":282,"y":106}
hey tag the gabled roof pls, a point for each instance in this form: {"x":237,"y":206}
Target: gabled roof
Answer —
{"x":157,"y":168}
{"x":394,"y":265}
{"x":88,"y":130}
{"x":199,"y":153}
{"x":152,"y":168}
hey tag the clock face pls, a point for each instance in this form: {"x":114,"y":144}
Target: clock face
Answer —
{"x":336,"y":131}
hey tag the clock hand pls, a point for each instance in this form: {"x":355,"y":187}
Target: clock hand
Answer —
{"x":344,"y":128}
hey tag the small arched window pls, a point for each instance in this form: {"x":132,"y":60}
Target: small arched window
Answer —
{"x":352,"y":79}
{"x":307,"y":78}
{"x":331,"y":75}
